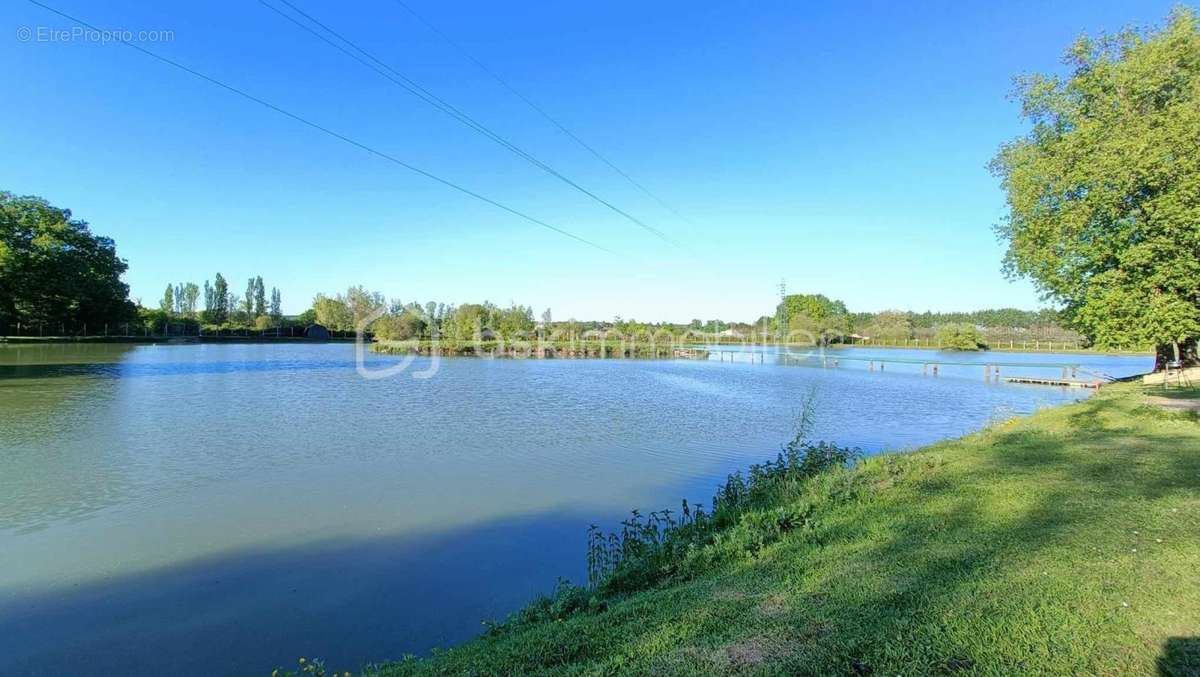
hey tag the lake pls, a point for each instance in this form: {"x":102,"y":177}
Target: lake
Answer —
{"x":226,"y":508}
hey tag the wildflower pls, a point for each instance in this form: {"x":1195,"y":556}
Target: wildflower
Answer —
{"x":302,"y":661}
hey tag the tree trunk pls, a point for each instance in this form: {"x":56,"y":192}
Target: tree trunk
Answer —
{"x":1183,"y":351}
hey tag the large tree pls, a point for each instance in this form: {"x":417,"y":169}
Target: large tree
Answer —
{"x":812,"y":315}
{"x":1104,"y":190}
{"x":54,"y":271}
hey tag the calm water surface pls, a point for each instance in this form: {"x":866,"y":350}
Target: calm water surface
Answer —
{"x":222,"y":509}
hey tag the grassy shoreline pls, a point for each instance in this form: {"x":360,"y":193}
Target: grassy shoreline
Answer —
{"x":1064,"y":543}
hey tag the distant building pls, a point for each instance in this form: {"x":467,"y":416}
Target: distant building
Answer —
{"x":317,"y":331}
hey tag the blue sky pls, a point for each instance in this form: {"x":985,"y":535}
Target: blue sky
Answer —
{"x":840,"y":146}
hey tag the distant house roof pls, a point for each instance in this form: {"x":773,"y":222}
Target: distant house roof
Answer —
{"x":316,"y":331}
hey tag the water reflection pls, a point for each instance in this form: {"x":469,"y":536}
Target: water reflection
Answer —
{"x":244,"y":612}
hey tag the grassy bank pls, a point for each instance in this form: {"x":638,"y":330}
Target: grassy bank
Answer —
{"x":1067,"y":542}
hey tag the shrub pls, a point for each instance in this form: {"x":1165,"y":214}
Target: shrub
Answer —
{"x":746,"y":516}
{"x":959,"y":336}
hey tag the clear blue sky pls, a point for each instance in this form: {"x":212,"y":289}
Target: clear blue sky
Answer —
{"x":840,"y":146}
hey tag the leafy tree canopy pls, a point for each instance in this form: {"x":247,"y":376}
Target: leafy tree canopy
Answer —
{"x":1104,"y":191}
{"x":815,"y":314}
{"x":53,"y":269}
{"x":959,"y":336}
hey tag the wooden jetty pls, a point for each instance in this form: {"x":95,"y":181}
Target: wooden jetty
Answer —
{"x":1070,"y":375}
{"x":1065,"y":383}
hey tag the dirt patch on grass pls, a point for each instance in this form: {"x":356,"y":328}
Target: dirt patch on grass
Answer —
{"x":759,"y":650}
{"x":774,"y":605}
{"x":727,"y":595}
{"x":750,"y":652}
{"x":690,"y":660}
{"x":1191,"y":404}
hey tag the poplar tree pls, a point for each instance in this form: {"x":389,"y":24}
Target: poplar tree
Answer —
{"x":260,"y":298}
{"x":168,"y":300}
{"x":220,"y":293}
{"x":276,"y":305}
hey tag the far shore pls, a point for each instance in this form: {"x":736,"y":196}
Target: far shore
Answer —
{"x":451,"y":346}
{"x":38,"y":340}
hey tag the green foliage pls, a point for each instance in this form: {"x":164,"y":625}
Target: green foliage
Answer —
{"x":959,"y":336}
{"x":888,"y":325}
{"x":746,"y":515}
{"x":167,"y":305}
{"x":814,"y":316}
{"x":54,"y":270}
{"x":216,"y":301}
{"x":307,"y":317}
{"x":260,"y":297}
{"x":315,"y":668}
{"x":191,"y":295}
{"x":345,"y":312}
{"x":276,"y":308}
{"x":1104,"y":193}
{"x":405,"y":325}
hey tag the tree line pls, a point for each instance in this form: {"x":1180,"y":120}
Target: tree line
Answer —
{"x":222,"y":307}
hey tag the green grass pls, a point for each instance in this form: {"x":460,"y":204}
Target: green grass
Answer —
{"x":1067,"y":542}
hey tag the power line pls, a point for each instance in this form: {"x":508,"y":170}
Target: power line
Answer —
{"x":540,"y":111}
{"x":408,"y":84}
{"x":325,"y":130}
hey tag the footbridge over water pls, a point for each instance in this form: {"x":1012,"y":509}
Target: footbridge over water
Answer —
{"x":1063,"y":374}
